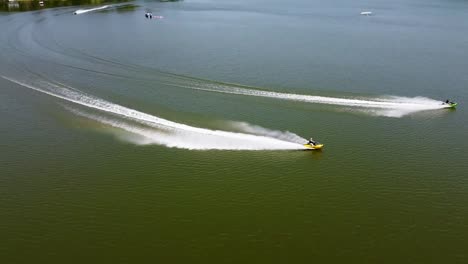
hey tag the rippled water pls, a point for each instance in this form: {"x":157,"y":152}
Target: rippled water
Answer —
{"x":179,"y":138}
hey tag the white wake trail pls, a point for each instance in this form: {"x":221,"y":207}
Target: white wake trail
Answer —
{"x":82,"y":11}
{"x":162,"y":131}
{"x":392,"y":106}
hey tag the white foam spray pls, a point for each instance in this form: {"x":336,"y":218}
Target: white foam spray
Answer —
{"x":162,"y":131}
{"x":258,"y":130}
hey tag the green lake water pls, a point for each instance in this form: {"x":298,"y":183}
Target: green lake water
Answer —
{"x":178,"y":139}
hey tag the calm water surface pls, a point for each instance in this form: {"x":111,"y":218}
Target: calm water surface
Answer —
{"x":125,"y":139}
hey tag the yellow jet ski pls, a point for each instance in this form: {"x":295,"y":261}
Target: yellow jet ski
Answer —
{"x":313,"y":145}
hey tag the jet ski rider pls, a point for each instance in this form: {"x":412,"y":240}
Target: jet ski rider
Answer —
{"x":312,"y":142}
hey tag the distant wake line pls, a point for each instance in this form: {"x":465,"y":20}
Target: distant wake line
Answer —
{"x":82,"y":11}
{"x":156,"y":130}
{"x":393,"y":106}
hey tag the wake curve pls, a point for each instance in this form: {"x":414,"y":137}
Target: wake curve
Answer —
{"x":165,"y":132}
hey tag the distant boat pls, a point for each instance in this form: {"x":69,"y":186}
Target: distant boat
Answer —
{"x":366,"y":13}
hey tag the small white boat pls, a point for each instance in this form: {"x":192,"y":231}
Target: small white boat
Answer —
{"x":366,"y":13}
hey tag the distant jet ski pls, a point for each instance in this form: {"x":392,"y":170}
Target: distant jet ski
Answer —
{"x":449,"y":104}
{"x":313,"y":145}
{"x":151,"y":16}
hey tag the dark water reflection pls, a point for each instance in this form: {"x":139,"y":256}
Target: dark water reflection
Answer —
{"x":21,"y":6}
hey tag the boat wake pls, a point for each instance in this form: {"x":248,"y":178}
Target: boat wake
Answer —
{"x":390,"y":106}
{"x":82,"y":11}
{"x":150,"y":129}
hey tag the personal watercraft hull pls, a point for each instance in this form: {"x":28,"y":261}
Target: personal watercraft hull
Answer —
{"x":453,"y":105}
{"x":450,"y":105}
{"x":313,"y":147}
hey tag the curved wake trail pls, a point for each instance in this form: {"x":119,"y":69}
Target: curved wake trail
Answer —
{"x":392,"y":106}
{"x":162,"y":131}
{"x":79,"y":60}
